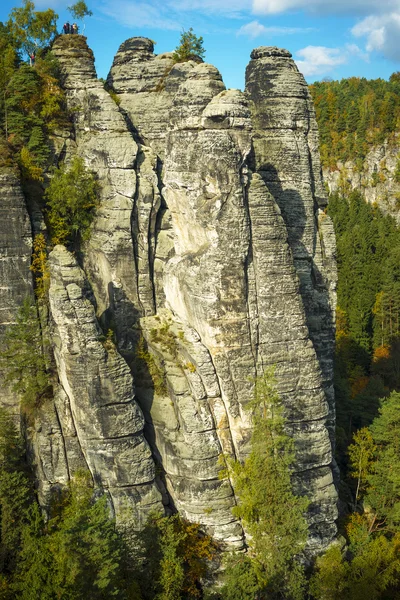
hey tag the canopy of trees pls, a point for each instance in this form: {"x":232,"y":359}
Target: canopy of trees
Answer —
{"x":32,"y":103}
{"x":354,"y":114}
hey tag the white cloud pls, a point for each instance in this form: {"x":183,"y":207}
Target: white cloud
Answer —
{"x":141,"y":14}
{"x":361,"y":7}
{"x":319,"y":60}
{"x":355,"y":50}
{"x":256,"y":29}
{"x":382,"y":34}
{"x":226,"y":7}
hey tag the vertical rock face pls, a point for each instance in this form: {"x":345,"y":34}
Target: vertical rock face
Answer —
{"x":101,"y":137}
{"x":286,"y":155}
{"x":211,"y":258}
{"x":15,"y":260}
{"x":244,"y":197}
{"x":98,"y":396}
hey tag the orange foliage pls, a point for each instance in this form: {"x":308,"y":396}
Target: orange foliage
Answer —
{"x":381,"y":352}
{"x":359,"y":385}
{"x":198,"y":548}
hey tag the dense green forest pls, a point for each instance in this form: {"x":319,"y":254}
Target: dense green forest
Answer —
{"x":354,"y":114}
{"x":76,"y":551}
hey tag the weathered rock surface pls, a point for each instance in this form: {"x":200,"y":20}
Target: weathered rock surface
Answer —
{"x":15,"y":260}
{"x":102,"y":139}
{"x":286,"y":155}
{"x":97,"y":397}
{"x":376,"y":181}
{"x":211,"y":258}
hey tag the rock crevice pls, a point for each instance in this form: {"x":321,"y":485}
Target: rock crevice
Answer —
{"x":210,"y":259}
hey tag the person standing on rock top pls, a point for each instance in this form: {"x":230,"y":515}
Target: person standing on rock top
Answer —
{"x":66,"y":28}
{"x":74,"y":28}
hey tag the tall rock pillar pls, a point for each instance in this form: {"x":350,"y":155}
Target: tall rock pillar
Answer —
{"x":286,"y":155}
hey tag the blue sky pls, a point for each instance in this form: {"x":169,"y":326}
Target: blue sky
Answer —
{"x":328,"y":38}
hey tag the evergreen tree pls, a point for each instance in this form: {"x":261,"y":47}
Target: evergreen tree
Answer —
{"x":271,"y":513}
{"x":23,"y":359}
{"x":76,"y":555}
{"x":15,"y":492}
{"x":190,"y":46}
{"x":72,"y":198}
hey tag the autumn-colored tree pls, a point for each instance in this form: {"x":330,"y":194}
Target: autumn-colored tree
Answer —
{"x":175,"y":556}
{"x":39,"y":266}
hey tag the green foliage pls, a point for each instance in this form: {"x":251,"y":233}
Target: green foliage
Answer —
{"x":190,"y":47}
{"x":373,"y":571}
{"x":146,"y":365}
{"x":76,"y":554}
{"x":32,"y":30}
{"x":271,"y":513}
{"x":72,"y":199}
{"x":368,"y":317}
{"x":22,"y":358}
{"x":15,"y":492}
{"x":383,"y":476}
{"x":32,"y":103}
{"x":353,"y":115}
{"x":79,"y":10}
{"x":361,"y":453}
{"x":175,"y":556}
{"x":242,"y":580}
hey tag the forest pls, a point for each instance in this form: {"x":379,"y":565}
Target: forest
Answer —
{"x":355,"y":114}
{"x":76,"y":551}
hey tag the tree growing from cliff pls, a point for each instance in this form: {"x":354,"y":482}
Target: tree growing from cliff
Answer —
{"x":271,"y":513}
{"x":190,"y":46}
{"x":32,"y":30}
{"x":79,"y":11}
{"x":72,"y":198}
{"x":23,"y":360}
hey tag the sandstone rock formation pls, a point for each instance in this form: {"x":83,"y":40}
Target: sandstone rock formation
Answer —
{"x":15,"y":260}
{"x":96,"y":397}
{"x":210,"y":259}
{"x":286,"y":155}
{"x":376,"y":181}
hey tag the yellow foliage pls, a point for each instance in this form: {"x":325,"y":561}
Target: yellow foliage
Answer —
{"x":381,"y":352}
{"x":342,"y":325}
{"x":28,"y":167}
{"x":198,"y":548}
{"x":40,"y":267}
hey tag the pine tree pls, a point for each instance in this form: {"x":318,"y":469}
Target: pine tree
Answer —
{"x":190,"y":47}
{"x":72,"y":198}
{"x":23,"y":359}
{"x":268,"y":508}
{"x":15,"y":492}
